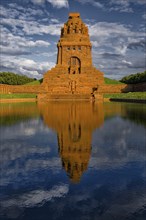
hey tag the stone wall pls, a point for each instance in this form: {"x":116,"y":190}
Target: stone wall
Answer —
{"x":109,"y":88}
{"x":115,"y":88}
{"x":5,"y":89}
{"x":139,"y":87}
{"x":105,"y":88}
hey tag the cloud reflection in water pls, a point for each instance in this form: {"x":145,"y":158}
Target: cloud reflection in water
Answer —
{"x":99,"y":149}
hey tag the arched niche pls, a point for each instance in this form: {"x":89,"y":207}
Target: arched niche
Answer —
{"x":74,"y":65}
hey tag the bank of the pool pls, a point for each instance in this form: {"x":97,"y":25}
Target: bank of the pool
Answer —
{"x":18,"y":100}
{"x":125,"y":100}
{"x":137,"y":97}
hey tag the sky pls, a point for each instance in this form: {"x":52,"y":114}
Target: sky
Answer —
{"x":30,"y":30}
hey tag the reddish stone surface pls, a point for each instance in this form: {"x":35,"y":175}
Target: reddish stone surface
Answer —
{"x":74,"y":72}
{"x":5,"y":89}
{"x":39,"y":89}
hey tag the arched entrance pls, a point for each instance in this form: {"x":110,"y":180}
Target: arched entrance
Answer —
{"x":74,"y":65}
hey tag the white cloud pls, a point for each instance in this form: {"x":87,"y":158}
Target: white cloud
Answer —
{"x":127,"y":2}
{"x":121,"y":6}
{"x":114,"y":5}
{"x":95,"y":43}
{"x":13,"y":41}
{"x":54,"y":20}
{"x":16,"y":11}
{"x":124,"y":5}
{"x":19,"y":150}
{"x":54,"y":3}
{"x":112,"y":43}
{"x":12,"y":44}
{"x":144,"y":16}
{"x":53,"y":29}
{"x":59,"y":3}
{"x":105,"y":29}
{"x":25,"y":66}
{"x":126,"y":62}
{"x":38,"y":1}
{"x":32,"y":27}
{"x":36,"y":197}
{"x":113,"y":36}
{"x":95,"y":3}
{"x":38,"y":43}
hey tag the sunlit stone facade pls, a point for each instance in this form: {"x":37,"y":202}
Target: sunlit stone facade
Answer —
{"x":74,"y":47}
{"x":74,"y":72}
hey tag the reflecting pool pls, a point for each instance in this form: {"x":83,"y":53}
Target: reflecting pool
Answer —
{"x":73,"y":161}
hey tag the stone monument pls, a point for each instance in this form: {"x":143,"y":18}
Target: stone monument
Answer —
{"x":74,"y":74}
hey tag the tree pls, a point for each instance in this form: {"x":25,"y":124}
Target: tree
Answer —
{"x":134,"y":78}
{"x":14,"y":79}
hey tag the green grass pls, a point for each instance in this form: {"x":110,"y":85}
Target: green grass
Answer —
{"x":129,"y":95}
{"x":36,"y":82}
{"x":111,"y":81}
{"x":17,"y":96}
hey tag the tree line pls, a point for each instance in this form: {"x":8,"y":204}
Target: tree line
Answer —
{"x":14,"y":79}
{"x":134,"y":78}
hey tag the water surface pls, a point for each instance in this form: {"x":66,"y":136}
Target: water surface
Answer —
{"x":70,"y":161}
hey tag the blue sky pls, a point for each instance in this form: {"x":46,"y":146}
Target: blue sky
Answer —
{"x":30,"y":30}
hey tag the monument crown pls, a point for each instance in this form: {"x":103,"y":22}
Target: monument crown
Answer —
{"x":74,"y":14}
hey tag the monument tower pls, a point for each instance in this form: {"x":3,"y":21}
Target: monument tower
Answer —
{"x":74,"y":73}
{"x":74,"y":47}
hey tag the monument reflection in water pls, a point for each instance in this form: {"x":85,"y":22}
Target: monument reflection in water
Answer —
{"x":70,"y":161}
{"x":74,"y":123}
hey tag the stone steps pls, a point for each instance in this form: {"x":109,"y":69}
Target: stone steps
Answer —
{"x":85,"y":97}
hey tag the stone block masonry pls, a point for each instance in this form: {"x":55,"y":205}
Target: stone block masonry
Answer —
{"x":74,"y":73}
{"x":5,"y":89}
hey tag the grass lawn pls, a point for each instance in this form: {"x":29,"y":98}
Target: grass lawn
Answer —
{"x":36,"y":82}
{"x":17,"y":96}
{"x":111,"y":81}
{"x":129,"y":95}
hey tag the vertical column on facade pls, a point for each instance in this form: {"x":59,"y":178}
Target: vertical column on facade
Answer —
{"x":61,"y":54}
{"x":58,"y":56}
